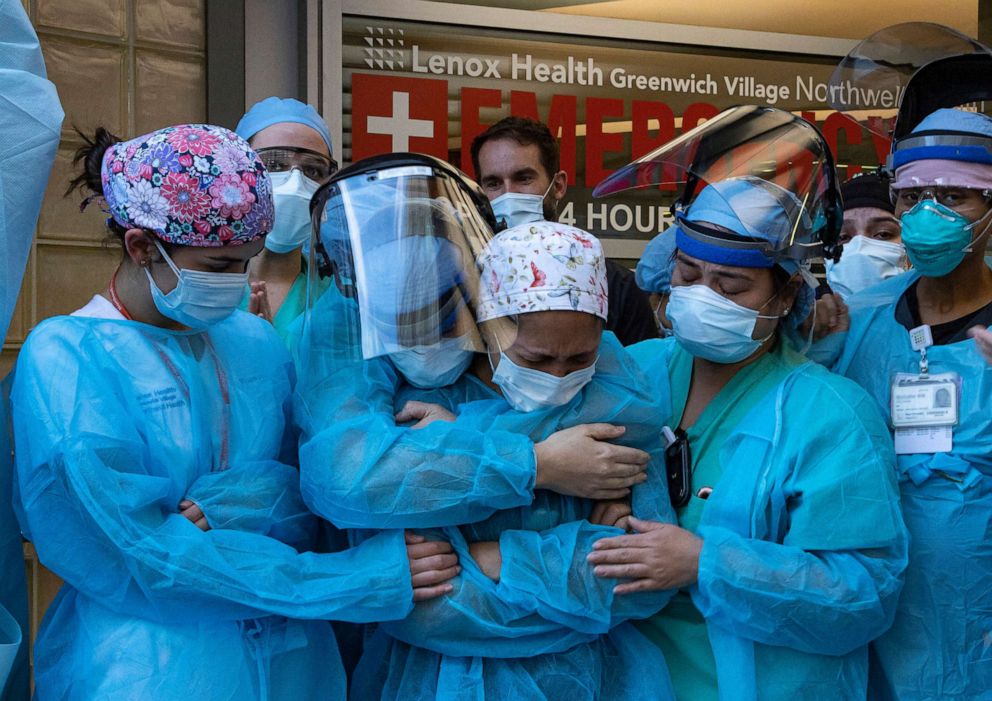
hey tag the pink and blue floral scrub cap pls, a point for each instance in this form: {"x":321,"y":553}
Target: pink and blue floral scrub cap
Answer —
{"x":191,"y":185}
{"x":542,"y":266}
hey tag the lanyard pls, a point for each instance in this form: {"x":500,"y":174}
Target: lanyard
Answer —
{"x":225,"y":445}
{"x":225,"y":433}
{"x":115,"y":298}
{"x":222,"y":383}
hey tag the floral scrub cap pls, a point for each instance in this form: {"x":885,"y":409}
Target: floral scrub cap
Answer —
{"x":192,"y":185}
{"x":542,"y":266}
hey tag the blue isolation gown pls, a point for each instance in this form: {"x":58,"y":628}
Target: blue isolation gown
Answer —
{"x":803,"y":543}
{"x":549,"y":629}
{"x":358,"y":469}
{"x":30,"y":125}
{"x":13,"y":588}
{"x":940,"y":646}
{"x":116,"y":423}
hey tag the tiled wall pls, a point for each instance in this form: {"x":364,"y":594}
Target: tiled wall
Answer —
{"x":131,"y":66}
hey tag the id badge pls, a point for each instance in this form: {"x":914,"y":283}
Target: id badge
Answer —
{"x":918,"y":401}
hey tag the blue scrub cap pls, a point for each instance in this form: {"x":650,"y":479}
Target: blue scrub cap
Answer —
{"x":654,"y":269}
{"x":947,"y":146}
{"x":746,"y":206}
{"x":956,"y":120}
{"x":275,"y":110}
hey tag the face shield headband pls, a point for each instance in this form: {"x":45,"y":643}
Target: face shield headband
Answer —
{"x":705,"y":243}
{"x":720,"y":246}
{"x":946,"y":145}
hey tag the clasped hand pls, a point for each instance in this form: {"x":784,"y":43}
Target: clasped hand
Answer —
{"x":656,"y":556}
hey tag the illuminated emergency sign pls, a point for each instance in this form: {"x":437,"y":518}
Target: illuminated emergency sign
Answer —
{"x":417,"y":87}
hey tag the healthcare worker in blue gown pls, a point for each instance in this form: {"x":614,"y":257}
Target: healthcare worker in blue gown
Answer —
{"x":30,"y":120}
{"x":783,"y":473}
{"x":547,"y":628}
{"x":154,"y":465}
{"x":354,"y":367}
{"x":940,"y":645}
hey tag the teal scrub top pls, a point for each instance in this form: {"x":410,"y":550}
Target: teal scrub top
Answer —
{"x":294,"y":305}
{"x":679,"y":629}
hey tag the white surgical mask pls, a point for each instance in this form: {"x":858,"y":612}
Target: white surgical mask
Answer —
{"x":526,"y":389}
{"x":708,"y":325}
{"x":199,"y":299}
{"x":438,"y":365}
{"x":291,"y":191}
{"x":865,"y":262}
{"x":516,"y":208}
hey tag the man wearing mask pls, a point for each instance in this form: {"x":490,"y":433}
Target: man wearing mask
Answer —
{"x":517,"y":163}
{"x":294,"y":143}
{"x":873,"y":249}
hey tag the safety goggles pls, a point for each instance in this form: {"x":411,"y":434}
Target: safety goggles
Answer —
{"x":959,"y":199}
{"x":313,"y":165}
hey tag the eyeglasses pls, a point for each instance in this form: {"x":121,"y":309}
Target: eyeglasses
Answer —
{"x":316,"y":166}
{"x":960,"y":199}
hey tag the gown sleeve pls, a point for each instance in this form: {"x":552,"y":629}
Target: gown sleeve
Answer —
{"x":825,"y":575}
{"x":360,"y":470}
{"x":105,"y":521}
{"x":548,"y":572}
{"x":547,"y":598}
{"x":30,"y":127}
{"x":261,"y":496}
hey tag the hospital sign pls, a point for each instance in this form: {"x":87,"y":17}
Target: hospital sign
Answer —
{"x":419,"y":87}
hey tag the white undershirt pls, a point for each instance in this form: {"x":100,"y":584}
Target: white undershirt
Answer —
{"x":98,"y":308}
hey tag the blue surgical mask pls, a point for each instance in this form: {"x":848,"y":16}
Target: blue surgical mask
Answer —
{"x":516,"y":208}
{"x":199,"y":299}
{"x":710,"y":326}
{"x":291,"y":191}
{"x":936,"y":237}
{"x":526,"y":389}
{"x":864,"y":262}
{"x":438,"y":365}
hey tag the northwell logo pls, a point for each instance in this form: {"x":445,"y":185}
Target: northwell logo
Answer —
{"x":385,"y":48}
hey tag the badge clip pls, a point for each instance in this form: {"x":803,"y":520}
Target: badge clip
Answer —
{"x":921,"y":338}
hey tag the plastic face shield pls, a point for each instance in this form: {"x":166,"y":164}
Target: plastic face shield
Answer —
{"x":925,"y":66}
{"x":394,"y":268}
{"x":783,"y":158}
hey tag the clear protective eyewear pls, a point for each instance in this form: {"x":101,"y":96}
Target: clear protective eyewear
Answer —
{"x":959,"y":199}
{"x":313,"y":165}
